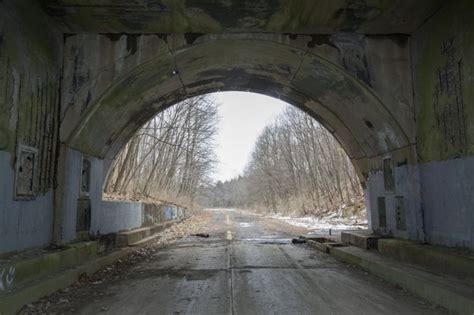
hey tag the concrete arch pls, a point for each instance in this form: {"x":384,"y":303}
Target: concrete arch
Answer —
{"x":342,"y":103}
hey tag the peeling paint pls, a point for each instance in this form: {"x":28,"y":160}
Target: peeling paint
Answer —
{"x":443,"y":79}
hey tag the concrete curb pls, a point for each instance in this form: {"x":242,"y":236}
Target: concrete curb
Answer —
{"x":135,"y":237}
{"x":14,"y":301}
{"x":436,"y":258}
{"x":433,"y":288}
{"x":157,"y":229}
{"x":319,"y":246}
{"x":49,"y":263}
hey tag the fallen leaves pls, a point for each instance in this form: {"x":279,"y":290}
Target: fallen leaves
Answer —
{"x":70,"y":299}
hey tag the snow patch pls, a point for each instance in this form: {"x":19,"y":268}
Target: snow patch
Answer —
{"x":245,"y":224}
{"x":333,"y":221}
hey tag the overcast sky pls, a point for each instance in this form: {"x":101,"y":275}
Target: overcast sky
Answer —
{"x":243,"y":116}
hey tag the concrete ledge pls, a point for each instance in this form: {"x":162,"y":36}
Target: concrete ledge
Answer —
{"x":161,"y":227}
{"x":134,"y":237}
{"x":145,"y":241}
{"x":322,"y":243}
{"x":362,"y":238}
{"x":38,"y":287}
{"x":451,"y":293}
{"x":319,"y":246}
{"x":72,"y":255}
{"x":438,"y":259}
{"x":14,"y":301}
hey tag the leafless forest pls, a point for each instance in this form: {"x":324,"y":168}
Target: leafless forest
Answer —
{"x":297,"y":167}
{"x":171,"y":156}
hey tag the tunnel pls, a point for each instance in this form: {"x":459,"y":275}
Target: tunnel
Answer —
{"x":78,"y":79}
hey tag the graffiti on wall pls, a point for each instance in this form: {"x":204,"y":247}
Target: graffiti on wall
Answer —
{"x":155,"y":214}
{"x":448,"y":100}
{"x":168,"y":213}
{"x":7,"y":276}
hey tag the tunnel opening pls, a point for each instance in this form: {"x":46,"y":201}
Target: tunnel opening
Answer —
{"x":311,"y":81}
{"x":294,"y":171}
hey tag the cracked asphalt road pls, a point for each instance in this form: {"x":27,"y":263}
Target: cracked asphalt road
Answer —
{"x":247,"y":266}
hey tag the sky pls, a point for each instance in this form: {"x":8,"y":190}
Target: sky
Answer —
{"x":243,"y":116}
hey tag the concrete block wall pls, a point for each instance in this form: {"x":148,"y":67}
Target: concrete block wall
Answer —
{"x":72,"y":192}
{"x":114,"y":216}
{"x":26,"y":224}
{"x":447,"y":191}
{"x":23,"y":224}
{"x":438,"y":200}
{"x":157,"y":213}
{"x":106,"y":216}
{"x":407,"y":185}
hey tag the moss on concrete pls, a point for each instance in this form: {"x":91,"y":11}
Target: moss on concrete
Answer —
{"x":30,"y":53}
{"x":301,"y":16}
{"x":438,"y":259}
{"x":433,"y":288}
{"x":14,"y":301}
{"x":243,"y":64}
{"x":439,"y":131}
{"x":176,"y":17}
{"x":347,"y":16}
{"x":44,"y":265}
{"x":55,"y":271}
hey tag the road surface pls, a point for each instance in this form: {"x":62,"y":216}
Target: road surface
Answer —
{"x":247,"y":266}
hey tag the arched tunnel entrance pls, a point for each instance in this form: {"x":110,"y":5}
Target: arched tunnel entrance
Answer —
{"x":338,"y":98}
{"x":281,"y":164}
{"x":344,"y":104}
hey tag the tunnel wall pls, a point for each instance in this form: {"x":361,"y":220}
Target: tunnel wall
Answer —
{"x":437,"y":188}
{"x":448,"y":199}
{"x":72,"y":193}
{"x":30,"y":69}
{"x":443,"y":59}
{"x":107,"y":216}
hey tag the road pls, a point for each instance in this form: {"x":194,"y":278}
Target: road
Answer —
{"x":247,"y":266}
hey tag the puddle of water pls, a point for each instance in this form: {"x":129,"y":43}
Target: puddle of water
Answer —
{"x":245,"y":224}
{"x":268,"y":240}
{"x":220,"y":209}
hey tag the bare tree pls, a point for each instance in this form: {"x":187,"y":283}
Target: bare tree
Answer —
{"x":171,"y":156}
{"x":296,"y":166}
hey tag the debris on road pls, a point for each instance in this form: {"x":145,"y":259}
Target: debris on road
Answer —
{"x":298,"y":241}
{"x":67,"y":300}
{"x":201,"y":235}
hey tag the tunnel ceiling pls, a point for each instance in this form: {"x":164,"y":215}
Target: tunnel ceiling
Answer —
{"x":355,"y":116}
{"x":206,"y":16}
